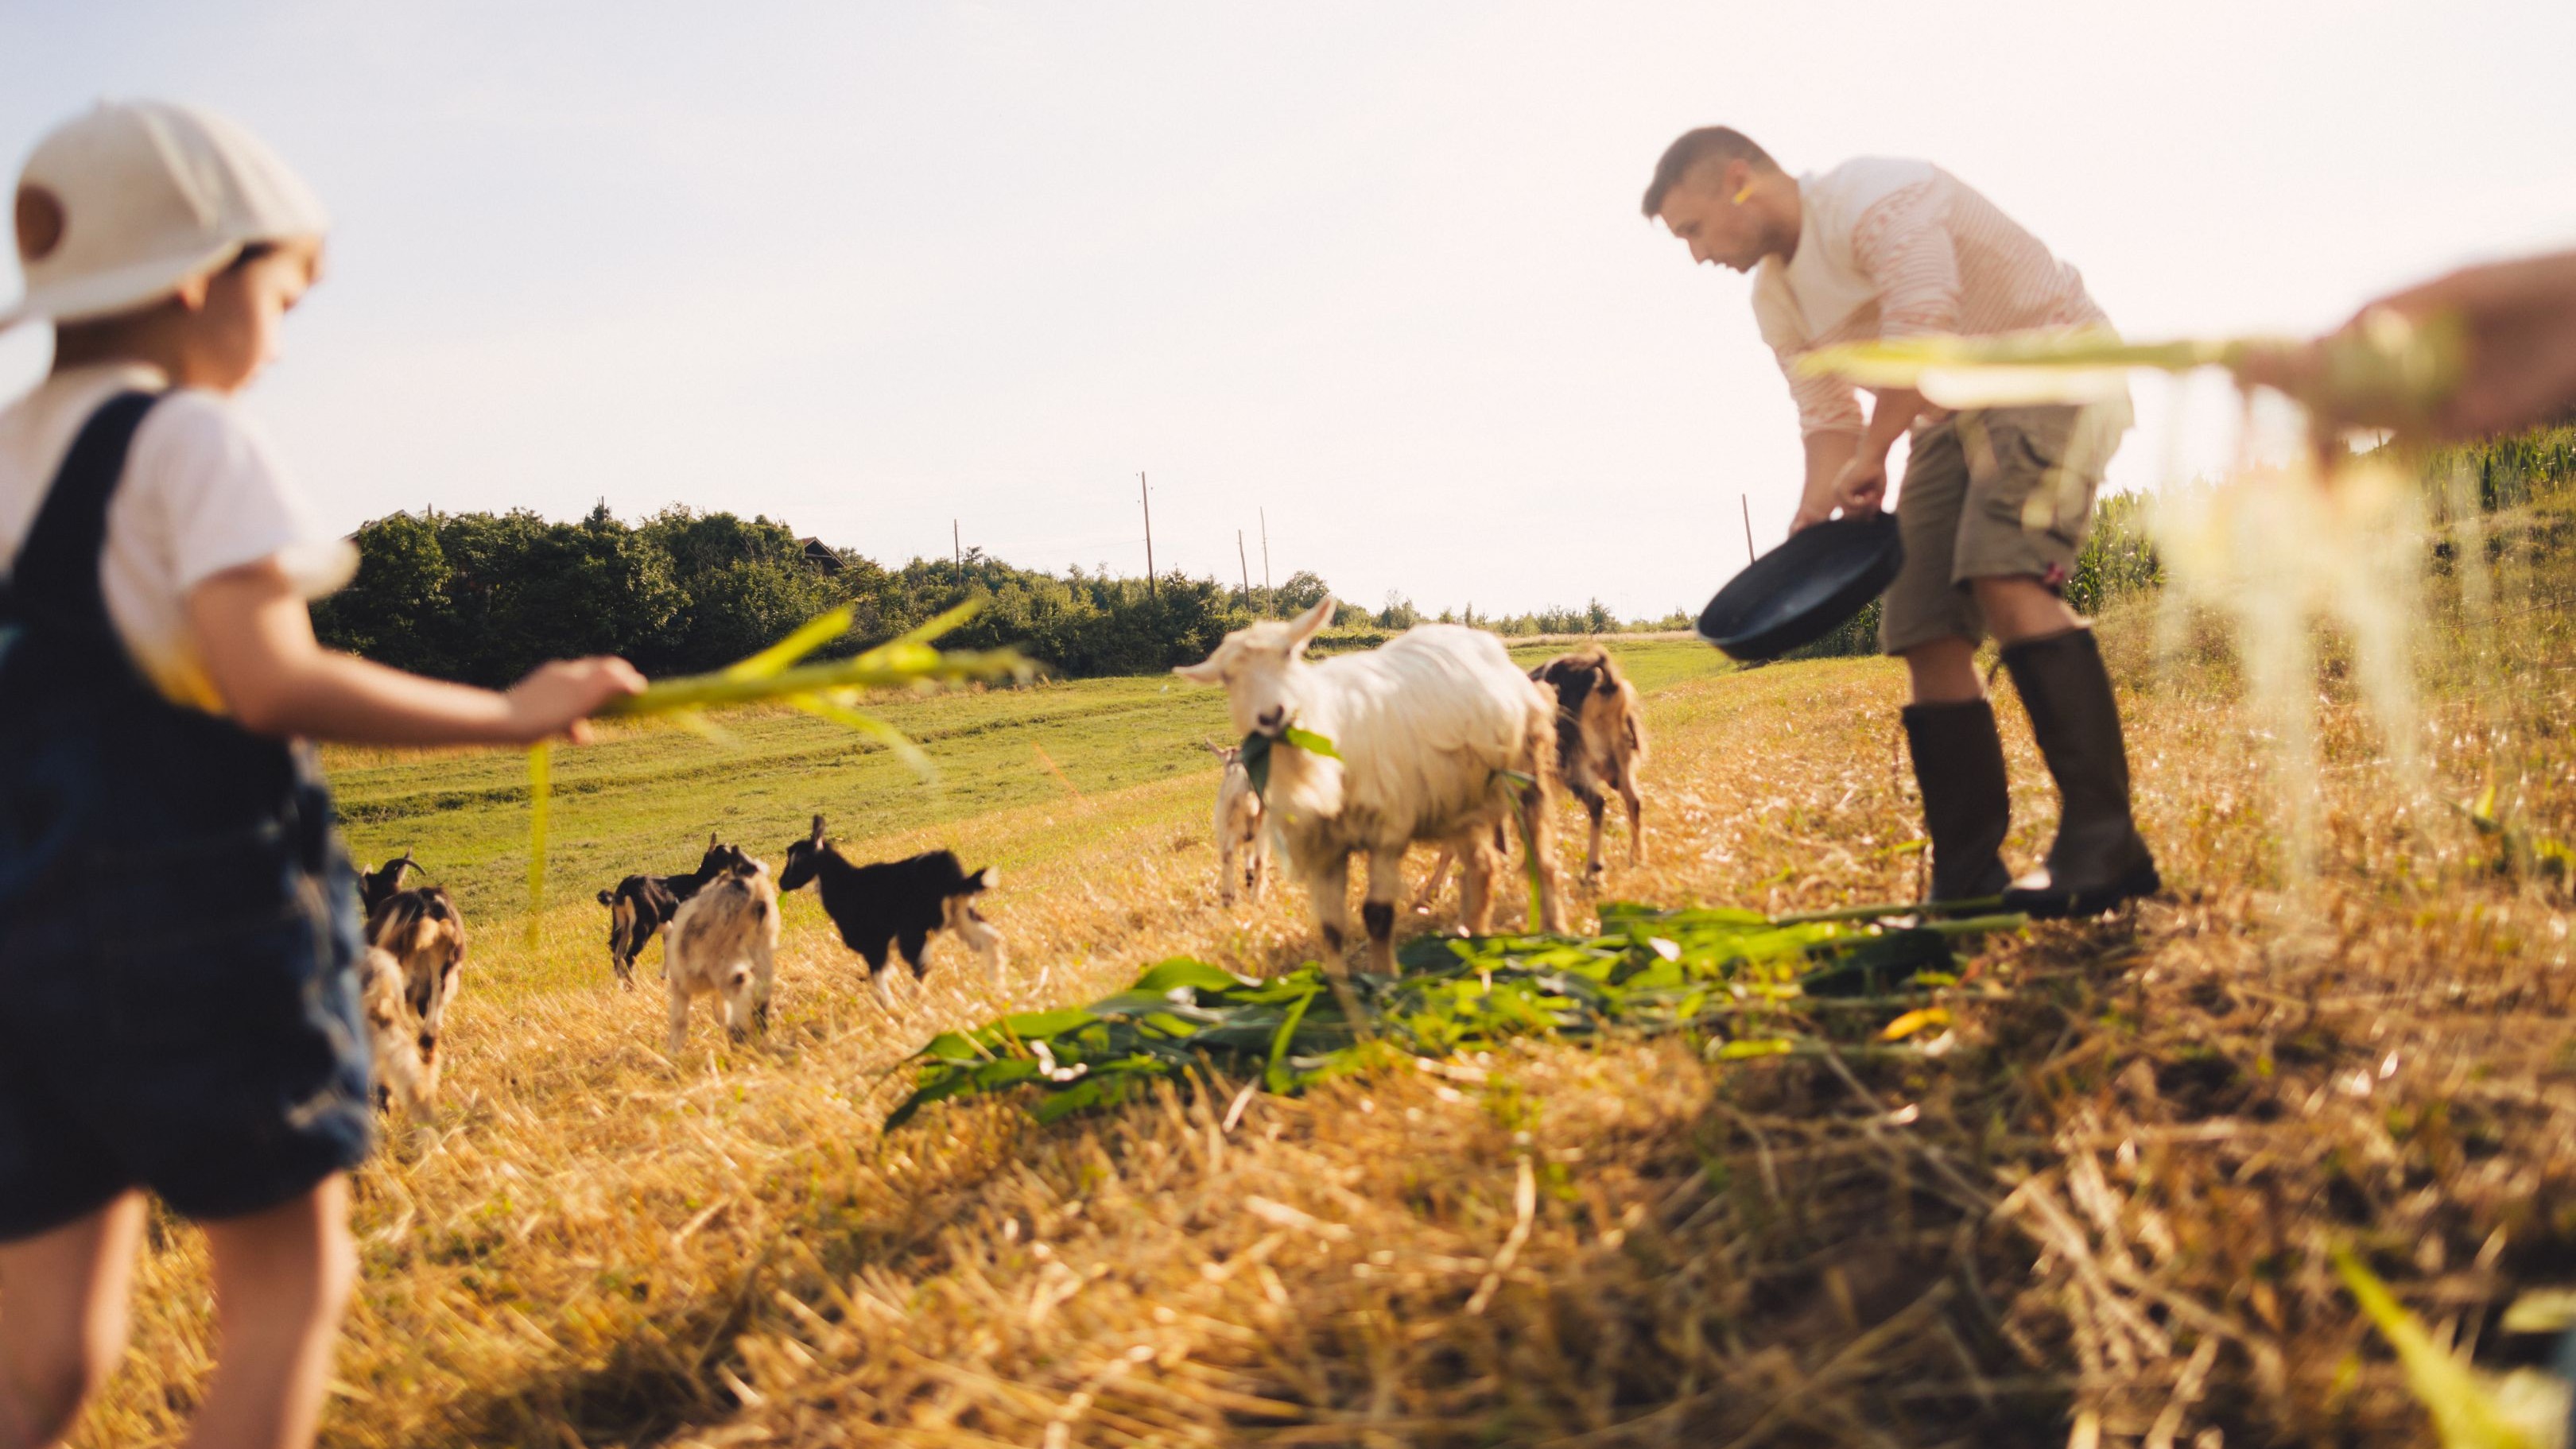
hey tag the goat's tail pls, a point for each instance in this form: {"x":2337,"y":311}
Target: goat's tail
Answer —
{"x":1538,"y":813}
{"x":978,"y":882}
{"x":608,"y":899}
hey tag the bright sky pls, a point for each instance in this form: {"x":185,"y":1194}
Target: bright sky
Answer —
{"x":1376,"y":267}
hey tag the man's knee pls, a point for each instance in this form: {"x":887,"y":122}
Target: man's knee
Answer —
{"x":1943,"y":671}
{"x":2020,"y":606}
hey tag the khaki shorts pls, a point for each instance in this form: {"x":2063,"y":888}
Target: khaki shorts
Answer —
{"x":1998,"y":493}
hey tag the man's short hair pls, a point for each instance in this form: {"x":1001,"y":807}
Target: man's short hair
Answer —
{"x":1708,"y":143}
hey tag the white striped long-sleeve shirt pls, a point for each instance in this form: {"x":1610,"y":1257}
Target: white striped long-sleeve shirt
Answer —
{"x":1894,"y":248}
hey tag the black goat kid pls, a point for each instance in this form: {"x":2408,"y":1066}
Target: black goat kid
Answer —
{"x":377,"y":886}
{"x":644,"y":904}
{"x":898,"y":903}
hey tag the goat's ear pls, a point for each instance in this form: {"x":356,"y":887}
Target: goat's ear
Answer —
{"x":1308,"y":624}
{"x":1206,"y":671}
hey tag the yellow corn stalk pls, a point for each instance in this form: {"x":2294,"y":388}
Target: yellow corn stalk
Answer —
{"x":2388,"y":367}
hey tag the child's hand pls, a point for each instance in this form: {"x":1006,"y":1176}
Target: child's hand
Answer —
{"x":558,"y":699}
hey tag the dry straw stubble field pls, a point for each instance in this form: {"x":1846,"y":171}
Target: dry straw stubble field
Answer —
{"x":2104,"y":1209}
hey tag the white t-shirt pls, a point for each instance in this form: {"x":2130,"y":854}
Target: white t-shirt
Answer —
{"x":201,"y":495}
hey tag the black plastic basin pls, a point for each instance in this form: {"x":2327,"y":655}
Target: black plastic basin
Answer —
{"x":1804,"y":589}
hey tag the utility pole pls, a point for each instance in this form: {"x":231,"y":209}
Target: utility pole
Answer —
{"x":1245,"y":565}
{"x":1747,"y":501}
{"x":1147,"y":499}
{"x":1269,"y":595}
{"x":958,"y":546}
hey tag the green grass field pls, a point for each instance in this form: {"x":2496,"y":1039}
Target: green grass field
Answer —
{"x":644,"y":798}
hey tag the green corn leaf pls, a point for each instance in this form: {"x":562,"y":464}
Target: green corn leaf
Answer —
{"x":1042,"y":1025}
{"x":2464,"y":1410}
{"x":808,"y":637}
{"x":1276,"y":1075}
{"x":876,"y":729}
{"x":1309,"y":741}
{"x":1162,"y":977}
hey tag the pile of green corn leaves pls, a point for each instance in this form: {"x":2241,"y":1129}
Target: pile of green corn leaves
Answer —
{"x":1733,"y":977}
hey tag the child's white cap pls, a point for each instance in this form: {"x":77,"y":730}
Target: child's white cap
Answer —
{"x":120,"y":205}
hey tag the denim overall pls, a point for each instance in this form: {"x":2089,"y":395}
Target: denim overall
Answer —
{"x":178,"y":921}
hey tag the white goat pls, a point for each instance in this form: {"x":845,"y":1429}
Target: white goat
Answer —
{"x":1429,"y":729}
{"x":723,"y":942}
{"x":1242,"y":836}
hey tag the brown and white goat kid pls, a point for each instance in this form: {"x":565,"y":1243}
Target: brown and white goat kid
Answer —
{"x":724,"y":943}
{"x":1600,"y":742}
{"x":1242,"y":834}
{"x":1429,"y":728}
{"x":421,"y":938}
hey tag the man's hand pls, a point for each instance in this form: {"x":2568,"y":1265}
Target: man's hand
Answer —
{"x":559,"y":698}
{"x":2517,"y":323}
{"x":1862,"y":484}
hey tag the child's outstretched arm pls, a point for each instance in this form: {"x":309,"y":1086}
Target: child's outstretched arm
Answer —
{"x":256,"y":638}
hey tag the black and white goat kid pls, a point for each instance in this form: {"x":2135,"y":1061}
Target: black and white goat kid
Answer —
{"x":644,"y":904}
{"x":897,"y":903}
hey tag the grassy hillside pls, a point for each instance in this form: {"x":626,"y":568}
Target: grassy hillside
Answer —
{"x":2104,"y":1203}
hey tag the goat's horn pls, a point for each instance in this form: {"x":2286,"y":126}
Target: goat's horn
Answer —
{"x":818,"y":827}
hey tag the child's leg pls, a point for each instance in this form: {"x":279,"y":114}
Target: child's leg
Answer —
{"x":63,"y":1325}
{"x":282,"y":1278}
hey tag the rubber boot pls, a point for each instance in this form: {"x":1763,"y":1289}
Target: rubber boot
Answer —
{"x":2098,"y":859}
{"x":1959,"y":763}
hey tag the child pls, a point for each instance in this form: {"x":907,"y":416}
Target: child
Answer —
{"x":178,"y":1009}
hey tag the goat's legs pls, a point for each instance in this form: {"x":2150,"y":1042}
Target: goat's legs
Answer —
{"x":979,"y":937}
{"x":1476,"y":866}
{"x":764,"y":980}
{"x":1328,"y":888}
{"x":1385,"y":884}
{"x":1595,"y":806}
{"x":1433,"y":883}
{"x":679,"y":1017}
{"x":1636,"y":819}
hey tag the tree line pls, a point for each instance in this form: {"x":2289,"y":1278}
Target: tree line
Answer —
{"x":484,"y":598}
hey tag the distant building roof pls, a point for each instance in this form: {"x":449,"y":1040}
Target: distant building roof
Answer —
{"x":820,"y":555}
